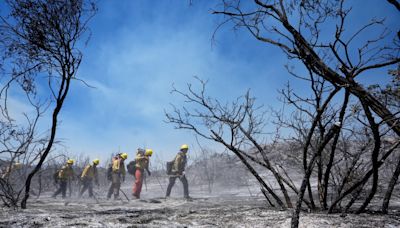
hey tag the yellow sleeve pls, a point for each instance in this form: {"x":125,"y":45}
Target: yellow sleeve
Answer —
{"x":85,"y":171}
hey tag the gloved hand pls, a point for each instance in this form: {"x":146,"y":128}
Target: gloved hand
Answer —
{"x":123,"y":178}
{"x":148,"y":172}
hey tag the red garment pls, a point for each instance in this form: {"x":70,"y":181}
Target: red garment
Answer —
{"x":137,"y":188}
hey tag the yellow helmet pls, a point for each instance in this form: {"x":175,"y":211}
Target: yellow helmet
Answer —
{"x":184,"y":147}
{"x":149,"y":152}
{"x":96,"y":161}
{"x":70,"y":161}
{"x":124,"y":155}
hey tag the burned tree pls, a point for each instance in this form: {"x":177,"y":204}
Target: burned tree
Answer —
{"x":15,"y":140}
{"x":275,"y":22}
{"x":238,"y":126}
{"x":340,"y":141}
{"x":296,"y":28}
{"x":41,"y":41}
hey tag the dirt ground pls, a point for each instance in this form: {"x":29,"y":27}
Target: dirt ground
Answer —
{"x":234,"y":207}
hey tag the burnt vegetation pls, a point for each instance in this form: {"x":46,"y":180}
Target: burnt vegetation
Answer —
{"x":344,"y":135}
{"x":334,"y":148}
{"x":40,"y":45}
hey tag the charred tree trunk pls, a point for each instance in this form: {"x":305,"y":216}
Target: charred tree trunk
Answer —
{"x":389,"y":191}
{"x":374,"y":157}
{"x":250,"y":168}
{"x":40,"y":185}
{"x":332,"y":154}
{"x":320,"y":181}
{"x":284,"y":180}
{"x":310,"y":166}
{"x":270,"y":167}
{"x":355,"y":195}
{"x":266,"y":196}
{"x":44,"y":36}
{"x":62,"y":93}
{"x":363,"y":180}
{"x":317,"y":118}
{"x":310,"y":195}
{"x":320,"y":159}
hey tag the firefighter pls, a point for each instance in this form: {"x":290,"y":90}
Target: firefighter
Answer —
{"x":142,"y":163}
{"x":6,"y":173}
{"x":65,"y":173}
{"x":89,"y":175}
{"x":178,"y":171}
{"x":117,"y":174}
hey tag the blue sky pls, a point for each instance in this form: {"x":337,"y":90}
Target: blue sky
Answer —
{"x":136,"y":53}
{"x":139,"y":49}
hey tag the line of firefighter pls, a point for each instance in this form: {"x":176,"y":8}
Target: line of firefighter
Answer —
{"x":118,"y":173}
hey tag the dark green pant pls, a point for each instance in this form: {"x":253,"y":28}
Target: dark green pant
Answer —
{"x":61,"y":189}
{"x":115,"y":185}
{"x":184,"y":181}
{"x":87,"y":185}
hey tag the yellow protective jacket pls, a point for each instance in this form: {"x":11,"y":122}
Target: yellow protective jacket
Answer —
{"x":6,"y":172}
{"x":90,"y":172}
{"x":179,"y":163}
{"x":66,"y":172}
{"x":118,"y":166}
{"x":142,"y":162}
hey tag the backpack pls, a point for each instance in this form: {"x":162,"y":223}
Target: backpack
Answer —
{"x":169,"y":167}
{"x":131,"y":167}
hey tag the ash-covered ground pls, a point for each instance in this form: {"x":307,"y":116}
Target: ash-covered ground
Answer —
{"x":224,"y":207}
